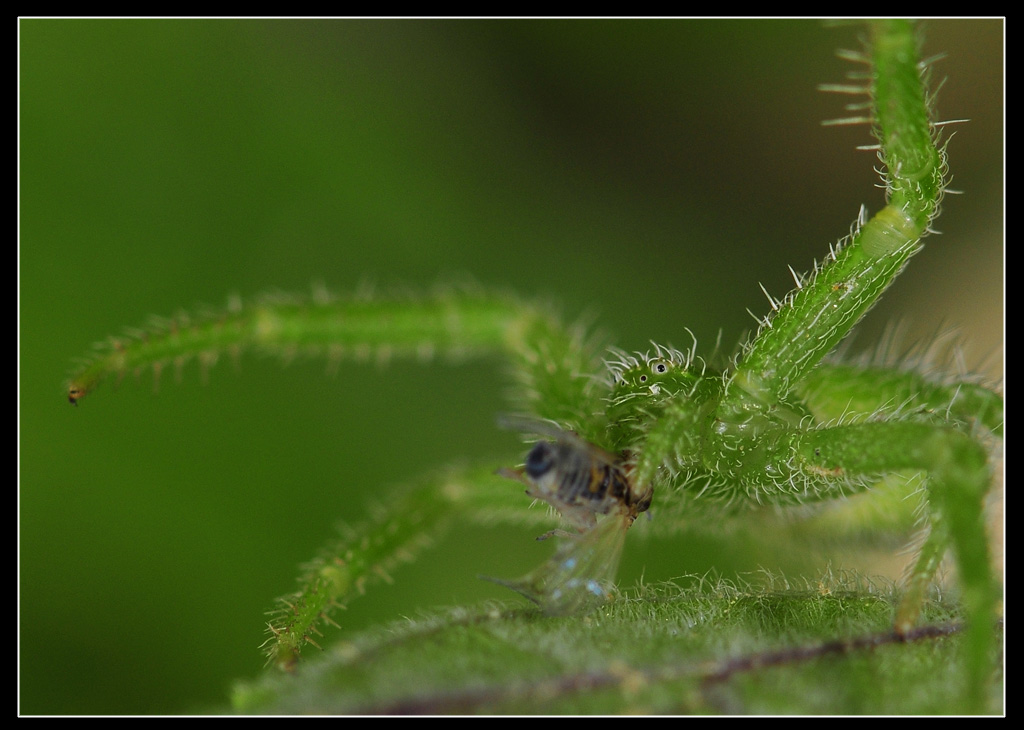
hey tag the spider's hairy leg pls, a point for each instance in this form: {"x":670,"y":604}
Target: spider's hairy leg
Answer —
{"x":888,"y":421}
{"x":396,"y":531}
{"x":781,"y":465}
{"x":554,"y":364}
{"x":814,"y":318}
{"x":958,"y":479}
{"x":558,"y":375}
{"x":854,"y":391}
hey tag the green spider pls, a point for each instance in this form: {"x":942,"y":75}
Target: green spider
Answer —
{"x":782,"y":425}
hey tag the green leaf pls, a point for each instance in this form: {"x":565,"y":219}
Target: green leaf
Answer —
{"x":706,"y":648}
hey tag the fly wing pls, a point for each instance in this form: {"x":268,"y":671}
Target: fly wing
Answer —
{"x":580,"y":575}
{"x":528,"y":425}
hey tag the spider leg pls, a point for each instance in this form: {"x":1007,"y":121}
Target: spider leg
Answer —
{"x":958,"y":478}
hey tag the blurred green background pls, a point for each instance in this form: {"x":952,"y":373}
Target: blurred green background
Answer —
{"x":648,"y":173}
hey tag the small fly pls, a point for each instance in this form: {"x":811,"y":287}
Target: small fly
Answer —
{"x":582,"y":482}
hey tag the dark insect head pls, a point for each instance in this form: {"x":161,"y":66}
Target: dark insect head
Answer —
{"x":540,"y":460}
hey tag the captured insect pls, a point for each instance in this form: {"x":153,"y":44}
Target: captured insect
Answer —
{"x":582,"y":482}
{"x":578,"y":479}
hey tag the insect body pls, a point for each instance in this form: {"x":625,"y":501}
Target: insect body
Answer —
{"x":581,"y":481}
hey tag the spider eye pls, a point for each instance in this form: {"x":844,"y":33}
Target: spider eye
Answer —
{"x":660,"y":367}
{"x":643,"y":378}
{"x":540,"y":460}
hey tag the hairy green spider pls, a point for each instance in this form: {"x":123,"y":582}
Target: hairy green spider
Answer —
{"x":781,"y":426}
